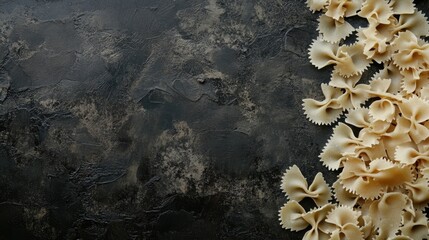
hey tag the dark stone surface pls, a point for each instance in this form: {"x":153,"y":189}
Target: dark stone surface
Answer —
{"x":149,"y":119}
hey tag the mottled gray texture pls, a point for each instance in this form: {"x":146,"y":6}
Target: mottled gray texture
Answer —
{"x":167,"y":119}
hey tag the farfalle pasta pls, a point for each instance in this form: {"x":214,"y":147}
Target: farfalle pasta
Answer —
{"x":298,"y":189}
{"x":343,"y":221}
{"x":402,"y":6}
{"x":326,"y":111}
{"x":347,"y":60}
{"x":334,"y":30}
{"x":377,"y":11}
{"x":382,"y":150}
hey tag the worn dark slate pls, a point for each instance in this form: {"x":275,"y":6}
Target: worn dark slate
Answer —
{"x":153,"y":119}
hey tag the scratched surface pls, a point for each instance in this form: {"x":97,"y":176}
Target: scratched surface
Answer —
{"x":152,"y":119}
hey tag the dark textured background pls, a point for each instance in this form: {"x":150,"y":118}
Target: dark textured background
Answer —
{"x":153,"y":119}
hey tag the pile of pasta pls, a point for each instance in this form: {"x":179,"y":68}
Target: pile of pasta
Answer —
{"x":382,"y":150}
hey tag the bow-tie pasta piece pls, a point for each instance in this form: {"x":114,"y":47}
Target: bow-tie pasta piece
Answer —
{"x":334,"y":30}
{"x":380,"y":86}
{"x":396,"y":136}
{"x":354,"y":94}
{"x":347,"y":60}
{"x":316,"y":5}
{"x":376,"y":10}
{"x":291,"y":216}
{"x":419,"y":192}
{"x":341,"y":145}
{"x":344,"y":222}
{"x":296,"y":187}
{"x":322,"y":53}
{"x":415,"y":80}
{"x":368,"y":229}
{"x":402,"y":6}
{"x":369,"y":181}
{"x":416,"y":111}
{"x":415,"y":225}
{"x":327,"y":111}
{"x":355,"y":179}
{"x":383,"y":110}
{"x":391,"y":72}
{"x":350,"y":60}
{"x":343,"y":196}
{"x":424,"y":92}
{"x":316,"y":219}
{"x":338,"y":9}
{"x":409,"y":52}
{"x":416,"y":23}
{"x":359,"y":117}
{"x":375,"y":45}
{"x":370,"y":129}
{"x":331,"y":156}
{"x":386,"y":214}
{"x":408,"y":155}
{"x":345,"y":139}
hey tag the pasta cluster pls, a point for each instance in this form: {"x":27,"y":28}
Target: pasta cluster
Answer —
{"x":382,"y":149}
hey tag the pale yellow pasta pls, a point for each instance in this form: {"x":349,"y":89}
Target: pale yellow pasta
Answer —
{"x":424,"y":92}
{"x":386,"y":214}
{"x":373,"y":152}
{"x":392,"y":73}
{"x":369,"y":181}
{"x":380,"y":86}
{"x":409,"y":52}
{"x":296,"y":187}
{"x":367,"y":228}
{"x":322,"y":53}
{"x":385,"y":30}
{"x":344,"y":222}
{"x":345,"y":139}
{"x":344,"y":144}
{"x":376,"y":46}
{"x":347,"y":60}
{"x":415,"y":23}
{"x":416,"y":111}
{"x":419,"y":192}
{"x":342,"y":215}
{"x":334,"y":30}
{"x":415,"y":80}
{"x":316,"y":219}
{"x":415,"y":225}
{"x":382,"y":190}
{"x":331,"y":156}
{"x":354,"y":94}
{"x":316,"y":5}
{"x":290,"y":216}
{"x":343,"y":196}
{"x":327,"y":111}
{"x":395,"y":136}
{"x":376,"y":10}
{"x":402,"y":6}
{"x":359,"y":117}
{"x":408,"y":155}
{"x":351,"y":60}
{"x":401,"y":237}
{"x":383,"y":110}
{"x":338,"y":9}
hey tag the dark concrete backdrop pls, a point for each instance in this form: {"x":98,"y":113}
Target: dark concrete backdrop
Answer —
{"x":153,"y":119}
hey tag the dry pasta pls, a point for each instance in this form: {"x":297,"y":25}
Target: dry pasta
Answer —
{"x":382,"y":150}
